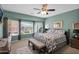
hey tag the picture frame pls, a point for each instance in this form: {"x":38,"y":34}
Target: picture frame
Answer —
{"x":75,"y":25}
{"x":58,"y":24}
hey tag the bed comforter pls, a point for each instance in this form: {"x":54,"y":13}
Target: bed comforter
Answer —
{"x":50,"y":39}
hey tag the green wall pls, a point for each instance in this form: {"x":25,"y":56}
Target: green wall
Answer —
{"x":16,"y":16}
{"x":22,"y":17}
{"x":1,"y":30}
{"x":22,"y":36}
{"x":67,"y":17}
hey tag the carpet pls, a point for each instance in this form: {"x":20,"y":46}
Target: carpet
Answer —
{"x":21,"y":47}
{"x":24,"y":50}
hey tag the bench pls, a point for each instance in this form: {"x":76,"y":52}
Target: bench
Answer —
{"x":36,"y":44}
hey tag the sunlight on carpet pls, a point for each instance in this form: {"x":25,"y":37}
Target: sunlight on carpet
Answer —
{"x":21,"y":47}
{"x":24,"y":50}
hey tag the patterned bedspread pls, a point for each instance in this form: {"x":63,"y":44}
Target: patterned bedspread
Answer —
{"x":50,"y":39}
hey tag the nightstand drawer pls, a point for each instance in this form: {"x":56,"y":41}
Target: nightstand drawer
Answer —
{"x":75,"y":43}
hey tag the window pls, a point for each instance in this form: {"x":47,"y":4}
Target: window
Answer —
{"x":13,"y":27}
{"x":26,"y":27}
{"x":38,"y":27}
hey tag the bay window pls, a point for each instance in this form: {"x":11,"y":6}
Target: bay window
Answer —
{"x":26,"y":27}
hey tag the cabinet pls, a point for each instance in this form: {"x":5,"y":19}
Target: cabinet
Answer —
{"x":75,"y":43}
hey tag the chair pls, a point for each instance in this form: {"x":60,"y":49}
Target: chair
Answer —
{"x":3,"y":46}
{"x":7,"y":47}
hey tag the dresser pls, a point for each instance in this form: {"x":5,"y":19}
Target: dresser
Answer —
{"x":75,"y":43}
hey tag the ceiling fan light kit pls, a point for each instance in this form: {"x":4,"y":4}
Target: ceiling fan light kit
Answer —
{"x":43,"y":12}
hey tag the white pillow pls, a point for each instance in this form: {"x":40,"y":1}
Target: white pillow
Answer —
{"x":59,"y":31}
{"x":51,"y":31}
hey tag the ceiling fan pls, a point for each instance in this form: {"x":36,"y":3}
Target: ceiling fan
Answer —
{"x":44,"y":9}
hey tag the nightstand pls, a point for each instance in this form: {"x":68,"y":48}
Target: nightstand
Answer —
{"x":75,"y":43}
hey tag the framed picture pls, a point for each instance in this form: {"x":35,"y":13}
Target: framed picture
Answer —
{"x":58,"y":24}
{"x":75,"y":25}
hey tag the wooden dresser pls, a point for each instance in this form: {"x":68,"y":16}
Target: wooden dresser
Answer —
{"x":75,"y":43}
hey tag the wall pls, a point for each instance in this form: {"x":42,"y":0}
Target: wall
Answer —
{"x":16,"y":16}
{"x":67,"y":17}
{"x":22,"y":36}
{"x":1,"y":28}
{"x":22,"y":17}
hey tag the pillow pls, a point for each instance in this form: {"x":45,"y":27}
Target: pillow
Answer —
{"x":59,"y":31}
{"x":51,"y":31}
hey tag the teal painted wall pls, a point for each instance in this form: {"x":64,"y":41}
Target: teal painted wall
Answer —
{"x":1,"y":30}
{"x":67,"y":17}
{"x":23,"y":17}
{"x":22,"y":37}
{"x":16,"y":16}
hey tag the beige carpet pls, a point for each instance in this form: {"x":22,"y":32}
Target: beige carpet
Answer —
{"x":17,"y":45}
{"x":21,"y":47}
{"x":67,"y":50}
{"x":24,"y":50}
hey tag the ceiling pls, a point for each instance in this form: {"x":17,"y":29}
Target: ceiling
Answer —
{"x":28,"y":8}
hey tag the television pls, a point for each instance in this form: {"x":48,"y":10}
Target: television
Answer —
{"x":1,"y":15}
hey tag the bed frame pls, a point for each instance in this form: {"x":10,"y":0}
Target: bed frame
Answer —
{"x":61,"y":45}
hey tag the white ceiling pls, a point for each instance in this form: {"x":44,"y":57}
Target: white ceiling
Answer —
{"x":28,"y":8}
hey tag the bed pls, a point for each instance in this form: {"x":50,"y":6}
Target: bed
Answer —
{"x":53,"y":39}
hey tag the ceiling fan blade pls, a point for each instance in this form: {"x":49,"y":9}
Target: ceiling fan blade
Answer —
{"x":51,"y":10}
{"x":38,"y":12}
{"x":36,"y":8}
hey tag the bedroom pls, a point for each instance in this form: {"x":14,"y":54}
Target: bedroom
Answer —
{"x":23,"y":21}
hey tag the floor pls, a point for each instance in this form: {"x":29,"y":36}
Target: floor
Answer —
{"x":21,"y":47}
